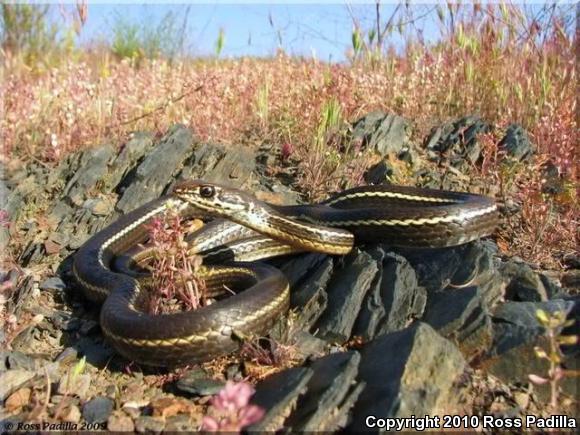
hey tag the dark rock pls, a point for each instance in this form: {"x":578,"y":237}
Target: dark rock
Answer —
{"x":89,"y":327}
{"x":522,"y":283}
{"x":96,"y":352}
{"x":571,"y":279}
{"x":398,"y":370}
{"x":384,"y":133}
{"x":310,"y":298}
{"x":515,"y":323}
{"x":552,"y":182}
{"x":553,"y":289}
{"x":235,"y":168}
{"x":97,"y":410}
{"x":572,"y":260}
{"x":346,"y":291}
{"x":71,"y":325}
{"x":158,"y":169}
{"x":198,"y":383}
{"x":205,"y":157}
{"x":378,"y":173}
{"x":308,"y":345}
{"x":53,"y":283}
{"x":517,"y":144}
{"x":407,"y":155}
{"x":278,"y":395}
{"x":517,"y":363}
{"x":299,"y":267}
{"x":461,"y":316}
{"x":320,"y":408}
{"x":404,"y":299}
{"x":94,"y":168}
{"x":147,"y":423}
{"x":458,"y":139}
{"x":469,"y":264}
{"x":131,"y":154}
{"x":395,"y":298}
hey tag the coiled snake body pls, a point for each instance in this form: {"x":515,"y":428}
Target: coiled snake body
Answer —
{"x":400,"y":216}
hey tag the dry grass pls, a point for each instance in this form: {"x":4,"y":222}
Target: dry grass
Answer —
{"x":492,"y":62}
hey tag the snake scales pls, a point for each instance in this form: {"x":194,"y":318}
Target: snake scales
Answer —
{"x":248,"y":230}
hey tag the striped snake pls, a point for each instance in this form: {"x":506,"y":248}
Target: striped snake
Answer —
{"x":246,"y":229}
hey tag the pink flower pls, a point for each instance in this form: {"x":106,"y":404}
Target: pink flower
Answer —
{"x":4,"y":219}
{"x":231,"y":410}
{"x":287,"y":150}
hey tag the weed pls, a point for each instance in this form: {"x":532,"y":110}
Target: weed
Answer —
{"x":173,"y":268}
{"x":554,"y":324}
{"x":93,"y":98}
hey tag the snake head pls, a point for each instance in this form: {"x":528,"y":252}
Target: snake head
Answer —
{"x":213,"y":198}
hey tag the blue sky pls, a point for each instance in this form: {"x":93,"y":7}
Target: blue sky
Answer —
{"x":320,"y":30}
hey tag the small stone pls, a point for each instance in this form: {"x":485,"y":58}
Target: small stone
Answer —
{"x":97,"y":410}
{"x":169,"y":406}
{"x":98,"y":206}
{"x":12,"y":380}
{"x":308,"y":345}
{"x":19,"y":360}
{"x":147,"y":423}
{"x":52,"y":247}
{"x":200,"y":387}
{"x":67,"y":356}
{"x":53,"y":283}
{"x":132,"y":411}
{"x":234,"y":373}
{"x":516,"y":143}
{"x":379,"y":173}
{"x":17,"y":400}
{"x":383,"y":133}
{"x":120,"y":422}
{"x":71,"y":414}
{"x":180,"y":423}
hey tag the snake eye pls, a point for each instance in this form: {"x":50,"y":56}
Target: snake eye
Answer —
{"x":207,"y":191}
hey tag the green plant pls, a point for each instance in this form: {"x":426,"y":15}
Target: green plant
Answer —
{"x":27,"y":32}
{"x":136,"y":42}
{"x":330,"y":120}
{"x":554,"y":323}
{"x":262,"y":103}
{"x":127,"y":43}
{"x":219,"y":43}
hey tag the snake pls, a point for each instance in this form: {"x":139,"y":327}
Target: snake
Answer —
{"x":243,"y":229}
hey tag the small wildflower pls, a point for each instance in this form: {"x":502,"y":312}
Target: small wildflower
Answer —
{"x":4,"y":219}
{"x":287,"y":150}
{"x":230,"y":409}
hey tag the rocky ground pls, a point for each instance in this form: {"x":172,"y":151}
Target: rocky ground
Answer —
{"x":383,"y":332}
